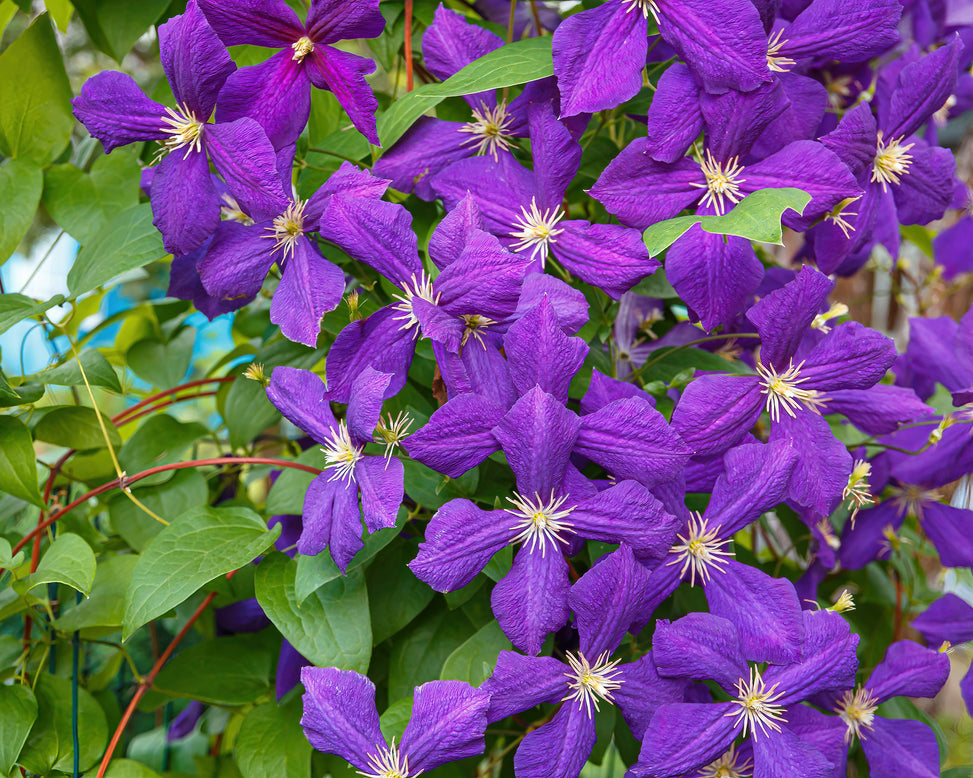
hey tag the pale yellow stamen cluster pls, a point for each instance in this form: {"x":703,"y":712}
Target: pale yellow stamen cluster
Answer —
{"x":783,"y":391}
{"x":541,"y":522}
{"x":341,"y":454}
{"x":857,"y":709}
{"x":892,"y":161}
{"x":475,"y":323}
{"x":392,"y":431}
{"x":726,"y":767}
{"x":185,"y":131}
{"x":388,"y":763}
{"x":589,"y":684}
{"x":822,"y":320}
{"x":302,"y":47}
{"x":722,"y":182}
{"x":858,"y":491}
{"x":490,"y":129}
{"x":420,"y":287}
{"x":757,"y":708}
{"x":645,"y":6}
{"x":536,"y":230}
{"x":911,"y":498}
{"x":838,"y":216}
{"x":287,"y":229}
{"x":700,"y":552}
{"x":844,"y":603}
{"x":775,"y":61}
{"x":231,"y":210}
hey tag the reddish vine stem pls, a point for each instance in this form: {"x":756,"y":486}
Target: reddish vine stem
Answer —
{"x":116,"y":419}
{"x":165,"y":404}
{"x":408,"y":47}
{"x":128,"y":480}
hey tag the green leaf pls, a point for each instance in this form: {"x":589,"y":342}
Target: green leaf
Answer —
{"x":7,"y":559}
{"x":97,"y":370}
{"x":83,"y":203}
{"x":105,"y":605}
{"x":287,"y":492}
{"x":475,"y":659}
{"x":35,"y":96}
{"x":395,"y":595}
{"x":515,"y":63}
{"x":186,"y":489}
{"x":18,"y":473}
{"x":18,"y":711}
{"x":75,"y":426}
{"x":25,"y":394}
{"x":225,"y":671}
{"x":756,"y":217}
{"x":656,"y":285}
{"x":271,"y":743}
{"x":331,"y":628}
{"x":68,"y":560}
{"x":194,"y":549}
{"x":160,"y":440}
{"x":17,"y":307}
{"x":128,"y":241}
{"x":418,"y":654}
{"x":128,"y":768}
{"x":61,"y":12}
{"x":21,"y":183}
{"x":115,"y":25}
{"x":163,"y":365}
{"x":49,"y":745}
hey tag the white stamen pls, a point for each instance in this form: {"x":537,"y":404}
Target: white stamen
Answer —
{"x":341,"y":454}
{"x":185,"y":131}
{"x":700,"y":552}
{"x":474,"y":326}
{"x":839,"y":216}
{"x":722,"y":182}
{"x":591,"y":684}
{"x":775,"y":62}
{"x":392,"y":432}
{"x":287,"y":229}
{"x":858,"y":491}
{"x":421,"y":287}
{"x":490,"y":130}
{"x":757,"y":709}
{"x":231,"y":210}
{"x":388,"y":763}
{"x":857,"y":709}
{"x":302,"y":47}
{"x":536,"y":230}
{"x":541,"y":522}
{"x":821,"y":321}
{"x":726,"y":767}
{"x":782,"y":391}
{"x":891,"y":161}
{"x":645,"y":6}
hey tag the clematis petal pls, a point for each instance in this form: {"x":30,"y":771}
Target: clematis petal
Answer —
{"x":734,"y":120}
{"x":448,"y":723}
{"x":921,"y":89}
{"x":330,"y":21}
{"x":343,"y":74}
{"x":270,"y":23}
{"x":848,"y":32}
{"x":427,"y":148}
{"x":484,"y":279}
{"x":310,"y":286}
{"x":644,"y":691}
{"x":332,"y":520}
{"x":458,"y":435}
{"x":674,"y":118}
{"x":823,"y":462}
{"x":531,"y":601}
{"x":923,"y":193}
{"x":237,"y":261}
{"x":380,"y":481}
{"x":558,"y":748}
{"x":878,"y":410}
{"x":951,"y":532}
{"x":185,"y":206}
{"x":948,"y":618}
{"x":459,"y":541}
{"x":901,"y":748}
{"x":608,"y":256}
{"x":849,"y":357}
{"x":598,"y":57}
{"x":783,"y":754}
{"x":716,"y":411}
{"x":627,"y":513}
{"x":455,"y":231}
{"x":301,"y":396}
{"x":683,"y":737}
{"x":909,"y":670}
{"x":556,"y":155}
{"x":339,"y":714}
{"x":520,"y":682}
{"x":113,"y":109}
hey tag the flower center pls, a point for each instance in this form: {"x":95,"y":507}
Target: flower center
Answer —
{"x":231,"y":210}
{"x":858,"y":491}
{"x":775,"y":62}
{"x":420,"y":287}
{"x":757,"y":708}
{"x":590,"y":684}
{"x":726,"y":767}
{"x":700,"y":551}
{"x":838,"y":217}
{"x":839,"y":90}
{"x":536,"y":230}
{"x":184,"y":131}
{"x":302,"y":47}
{"x":387,"y":763}
{"x":783,"y":391}
{"x":857,"y":709}
{"x":911,"y":499}
{"x":341,"y":454}
{"x":287,"y":228}
{"x":490,"y":130}
{"x":645,"y":6}
{"x":722,"y":182}
{"x":392,"y":432}
{"x":475,"y":323}
{"x":540,"y":522}
{"x":891,"y":161}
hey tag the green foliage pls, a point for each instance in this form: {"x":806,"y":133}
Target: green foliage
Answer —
{"x":69,"y":560}
{"x":271,"y":743}
{"x":18,"y":711}
{"x":21,"y":183}
{"x":18,"y":474}
{"x":195,"y":548}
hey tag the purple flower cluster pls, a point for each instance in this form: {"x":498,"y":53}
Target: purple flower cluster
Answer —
{"x":839,"y":98}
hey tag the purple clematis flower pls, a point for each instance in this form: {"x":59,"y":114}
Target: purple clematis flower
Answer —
{"x":448,"y":723}
{"x":716,"y":276}
{"x":524,"y":208}
{"x":603,"y":600}
{"x":765,"y":611}
{"x":683,"y":737}
{"x":949,"y":620}
{"x":796,"y":377}
{"x":940,"y":351}
{"x":185,"y":200}
{"x":554,"y":505}
{"x":332,"y":517}
{"x":599,"y":54}
{"x":277,"y":93}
